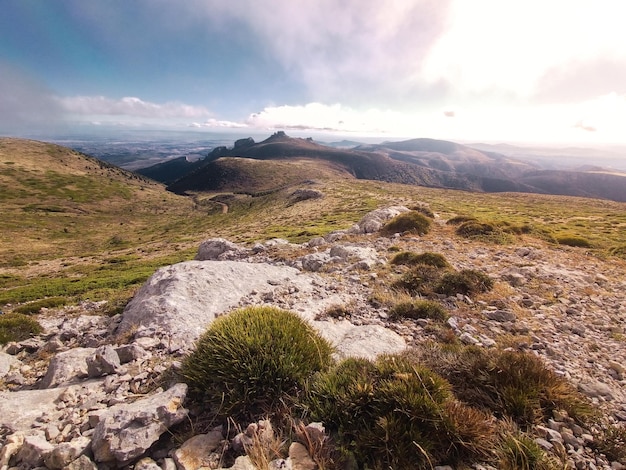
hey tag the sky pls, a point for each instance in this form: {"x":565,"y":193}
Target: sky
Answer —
{"x":536,"y":71}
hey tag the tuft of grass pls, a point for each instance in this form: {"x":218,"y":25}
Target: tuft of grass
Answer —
{"x":578,"y":242}
{"x":394,"y":413}
{"x":421,"y":279}
{"x":459,"y":219}
{"x":483,"y":231}
{"x":419,"y":309}
{"x":17,"y":327}
{"x":423,"y":209}
{"x":466,"y":282}
{"x":411,"y":258}
{"x":510,"y":384}
{"x":411,"y":222}
{"x":519,"y":451}
{"x":248,"y":362}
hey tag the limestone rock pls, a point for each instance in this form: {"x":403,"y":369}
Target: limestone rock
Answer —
{"x":242,"y":463}
{"x":33,"y":452}
{"x":500,"y":315}
{"x":183,"y":299}
{"x":81,"y":463}
{"x":67,"y":367}
{"x":194,"y":452}
{"x":103,"y":361}
{"x":367,"y":341}
{"x":147,"y":464}
{"x":300,"y":458}
{"x":374,"y":221}
{"x":126,"y":431}
{"x":66,"y":452}
{"x":12,"y":445}
{"x":131,"y":352}
{"x":7,"y":361}
{"x":214,"y":248}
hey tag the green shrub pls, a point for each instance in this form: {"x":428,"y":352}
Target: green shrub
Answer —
{"x":36,"y":306}
{"x":459,"y":219}
{"x":407,"y":222}
{"x":418,"y":309}
{"x":485,"y":231}
{"x":519,"y":451}
{"x":420,"y":280}
{"x":17,"y":327}
{"x":423,"y":209}
{"x":574,"y":241}
{"x":249,"y":361}
{"x":411,"y":258}
{"x":393,"y":413}
{"x":510,"y":384}
{"x":466,"y":282}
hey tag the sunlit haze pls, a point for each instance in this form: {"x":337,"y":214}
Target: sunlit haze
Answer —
{"x":482,"y":70}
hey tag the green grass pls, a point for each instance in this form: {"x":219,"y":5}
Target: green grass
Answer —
{"x":248,"y":363}
{"x":80,"y":211}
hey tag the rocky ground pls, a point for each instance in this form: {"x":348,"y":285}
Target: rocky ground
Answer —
{"x":100,"y":392}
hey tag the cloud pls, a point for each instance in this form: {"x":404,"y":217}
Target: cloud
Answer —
{"x":212,"y":123}
{"x":25,"y":104}
{"x":578,"y":80}
{"x":131,"y":107}
{"x":360,"y":52}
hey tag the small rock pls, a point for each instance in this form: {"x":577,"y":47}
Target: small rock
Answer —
{"x":104,"y":361}
{"x":147,"y":464}
{"x":81,"y":463}
{"x":500,"y":315}
{"x":67,"y":452}
{"x":34,"y":450}
{"x":194,"y":452}
{"x":300,"y":458}
{"x":131,"y":352}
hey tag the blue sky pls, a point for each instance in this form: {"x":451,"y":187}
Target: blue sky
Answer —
{"x":495,"y":70}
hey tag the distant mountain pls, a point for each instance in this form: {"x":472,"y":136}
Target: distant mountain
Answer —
{"x":171,"y":170}
{"x":423,"y":162}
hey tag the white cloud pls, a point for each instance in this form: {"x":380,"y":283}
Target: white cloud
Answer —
{"x":318,"y":116}
{"x":499,"y":49}
{"x":213,"y":123}
{"x":359,"y":52}
{"x":131,"y":107}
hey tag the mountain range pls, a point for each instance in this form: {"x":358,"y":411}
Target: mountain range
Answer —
{"x":253,"y":166}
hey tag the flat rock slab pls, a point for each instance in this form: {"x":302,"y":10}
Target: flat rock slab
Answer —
{"x":20,"y":409}
{"x":183,"y":299}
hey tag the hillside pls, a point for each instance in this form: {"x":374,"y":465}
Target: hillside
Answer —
{"x":120,"y":303}
{"x":422,"y":162}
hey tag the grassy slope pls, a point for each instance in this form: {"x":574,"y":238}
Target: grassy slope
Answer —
{"x":75,"y":229}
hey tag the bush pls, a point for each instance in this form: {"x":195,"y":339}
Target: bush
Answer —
{"x":411,"y":259}
{"x":419,"y":309}
{"x":393,"y":413}
{"x":466,"y":282}
{"x":459,"y":219}
{"x":17,"y":327}
{"x":519,"y":451}
{"x":488,"y":232}
{"x":420,"y":280}
{"x":423,"y":209}
{"x":510,"y":384}
{"x":574,"y":241}
{"x":250,"y":360}
{"x":407,"y":222}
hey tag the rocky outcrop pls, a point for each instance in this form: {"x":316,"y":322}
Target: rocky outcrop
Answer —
{"x":96,"y":401}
